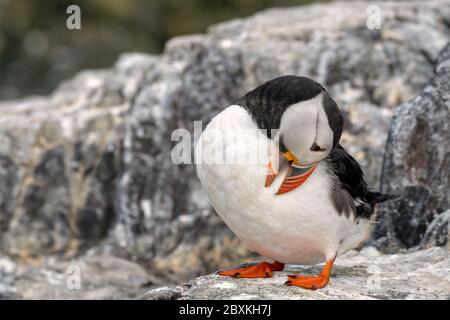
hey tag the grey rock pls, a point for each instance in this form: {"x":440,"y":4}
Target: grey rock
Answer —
{"x":417,"y":166}
{"x":365,"y":275}
{"x":438,"y":231}
{"x":9,"y":273}
{"x":59,"y":159}
{"x":8,"y":180}
{"x":87,"y":277}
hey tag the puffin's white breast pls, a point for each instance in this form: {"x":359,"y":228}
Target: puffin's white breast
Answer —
{"x":301,"y":226}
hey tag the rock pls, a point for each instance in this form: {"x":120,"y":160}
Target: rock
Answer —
{"x":8,"y":274}
{"x":417,"y":166}
{"x":438,"y":231}
{"x":90,"y":164}
{"x":365,"y":275}
{"x":59,"y":159}
{"x":87,"y":277}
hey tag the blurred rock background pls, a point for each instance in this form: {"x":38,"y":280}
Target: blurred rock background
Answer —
{"x":86,"y":178}
{"x":37,"y":51}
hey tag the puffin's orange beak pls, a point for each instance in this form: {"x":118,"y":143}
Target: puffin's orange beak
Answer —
{"x":290,"y":157}
{"x":295,"y":176}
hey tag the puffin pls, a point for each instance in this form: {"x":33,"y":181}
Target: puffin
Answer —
{"x":274,"y":171}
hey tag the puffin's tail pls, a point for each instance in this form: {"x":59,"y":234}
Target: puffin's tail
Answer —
{"x":377,"y":197}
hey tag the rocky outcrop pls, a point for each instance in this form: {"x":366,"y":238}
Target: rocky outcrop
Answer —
{"x":92,"y":161}
{"x":364,"y":275}
{"x":88,"y":277}
{"x":60,"y":157}
{"x":417,"y":167}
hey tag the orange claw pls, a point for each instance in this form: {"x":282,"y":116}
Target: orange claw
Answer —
{"x":259,"y":270}
{"x":312,"y":283}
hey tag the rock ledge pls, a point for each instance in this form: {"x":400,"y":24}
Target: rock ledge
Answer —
{"x":368,"y":274}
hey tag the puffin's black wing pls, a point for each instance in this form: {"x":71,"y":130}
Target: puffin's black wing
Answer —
{"x":351,"y":179}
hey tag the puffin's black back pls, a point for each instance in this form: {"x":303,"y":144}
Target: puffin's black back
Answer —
{"x":267,"y":102}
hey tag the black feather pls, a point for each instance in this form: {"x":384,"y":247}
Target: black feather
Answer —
{"x":351,"y":179}
{"x":377,"y":197}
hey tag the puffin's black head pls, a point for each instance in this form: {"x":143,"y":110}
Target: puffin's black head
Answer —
{"x":309,"y":122}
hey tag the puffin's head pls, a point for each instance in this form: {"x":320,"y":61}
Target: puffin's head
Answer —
{"x":310,"y":129}
{"x":307,"y":122}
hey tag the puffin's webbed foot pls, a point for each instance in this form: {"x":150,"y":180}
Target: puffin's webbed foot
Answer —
{"x":315,"y":282}
{"x":312,"y":283}
{"x":259,"y":270}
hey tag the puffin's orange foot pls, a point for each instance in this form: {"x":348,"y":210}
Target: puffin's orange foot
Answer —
{"x":260,"y":270}
{"x":312,"y":283}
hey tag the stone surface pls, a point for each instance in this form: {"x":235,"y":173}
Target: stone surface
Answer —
{"x":438,"y":231}
{"x":417,"y":166}
{"x":59,"y":160}
{"x":90,"y":164}
{"x":369,"y":274}
{"x":87,"y":277}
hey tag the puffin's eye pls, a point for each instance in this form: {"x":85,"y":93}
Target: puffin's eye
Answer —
{"x":316,"y":148}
